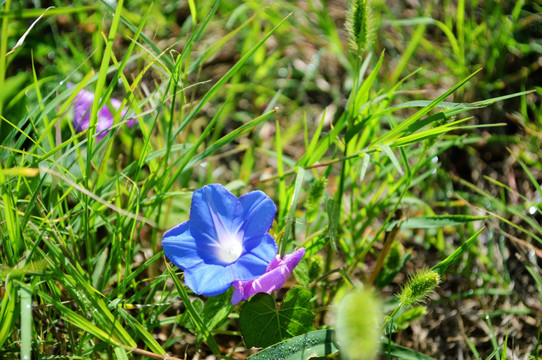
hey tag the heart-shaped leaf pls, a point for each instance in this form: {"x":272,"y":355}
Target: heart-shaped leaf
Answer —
{"x":263,"y":324}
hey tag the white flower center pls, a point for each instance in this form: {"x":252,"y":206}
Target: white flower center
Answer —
{"x":231,"y":248}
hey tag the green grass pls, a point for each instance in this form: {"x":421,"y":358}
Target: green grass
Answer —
{"x":427,"y":146}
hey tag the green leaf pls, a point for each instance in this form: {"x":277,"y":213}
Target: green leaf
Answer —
{"x":7,"y":311}
{"x":401,"y":128}
{"x":186,"y":319}
{"x":26,"y":322}
{"x":387,"y":150}
{"x":403,"y":353}
{"x":12,"y":85}
{"x":333,"y":213}
{"x":216,"y":310}
{"x":429,"y":222}
{"x":303,"y":347}
{"x":262,"y":324}
{"x":194,"y":313}
{"x":364,"y":166}
{"x":141,"y":331}
{"x":301,"y":273}
{"x":441,"y":267}
{"x":291,"y":213}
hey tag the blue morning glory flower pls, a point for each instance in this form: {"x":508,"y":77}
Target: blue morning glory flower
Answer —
{"x":225,"y":240}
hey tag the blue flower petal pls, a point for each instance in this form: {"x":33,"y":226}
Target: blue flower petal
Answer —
{"x":248,"y":267}
{"x":208,"y":279}
{"x":180,"y":247}
{"x":256,"y":211}
{"x":211,"y":212}
{"x":254,"y":263}
{"x":263,"y":246}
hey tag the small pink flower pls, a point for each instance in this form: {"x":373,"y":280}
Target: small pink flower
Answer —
{"x":81,"y":113}
{"x":276,"y":274}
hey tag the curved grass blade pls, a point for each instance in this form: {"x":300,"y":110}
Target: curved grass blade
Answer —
{"x":441,"y":267}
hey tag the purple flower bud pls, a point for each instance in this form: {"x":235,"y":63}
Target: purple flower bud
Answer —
{"x":276,"y":274}
{"x":81,"y":113}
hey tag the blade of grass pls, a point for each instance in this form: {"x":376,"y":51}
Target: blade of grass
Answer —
{"x":7,"y":311}
{"x":148,"y":339}
{"x":291,"y":212}
{"x":282,"y":196}
{"x":441,"y":267}
{"x":209,"y":94}
{"x":26,"y":322}
{"x":193,"y":313}
{"x":398,"y":130}
{"x":4,"y":36}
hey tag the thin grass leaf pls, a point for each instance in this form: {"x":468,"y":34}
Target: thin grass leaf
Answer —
{"x":79,"y":321}
{"x":231,"y":136}
{"x":140,"y":330}
{"x":7,"y":312}
{"x":314,"y":142}
{"x":194,"y":314}
{"x":401,"y":352}
{"x":291,"y":212}
{"x":219,"y":44}
{"x":193,"y":10}
{"x":398,"y":130}
{"x":364,"y":166}
{"x":282,"y":195}
{"x":120,"y":353}
{"x":441,"y":267}
{"x":429,"y":222}
{"x":22,"y":38}
{"x":387,"y":150}
{"x":528,"y":172}
{"x":26,"y":322}
{"x":211,"y":92}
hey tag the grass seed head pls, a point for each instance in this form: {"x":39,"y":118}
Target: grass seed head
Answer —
{"x":359,"y":325}
{"x":394,"y":259}
{"x":359,"y":24}
{"x":419,"y":287}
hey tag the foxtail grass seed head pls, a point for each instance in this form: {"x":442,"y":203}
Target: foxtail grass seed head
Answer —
{"x":358,"y":24}
{"x":358,"y":327}
{"x":315,"y":193}
{"x":315,"y":196}
{"x":394,"y":259}
{"x":419,"y":287}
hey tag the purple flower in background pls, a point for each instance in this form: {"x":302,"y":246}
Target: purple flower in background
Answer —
{"x":225,"y":240}
{"x":276,"y":274}
{"x":81,"y":113}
